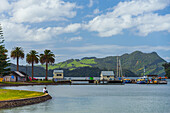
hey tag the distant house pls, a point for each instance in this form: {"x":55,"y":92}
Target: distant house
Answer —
{"x":58,"y":75}
{"x":15,"y":76}
{"x":107,"y":75}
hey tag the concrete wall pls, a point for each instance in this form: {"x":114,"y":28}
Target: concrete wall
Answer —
{"x":22,"y":102}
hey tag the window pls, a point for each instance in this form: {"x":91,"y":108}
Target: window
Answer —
{"x":59,"y":74}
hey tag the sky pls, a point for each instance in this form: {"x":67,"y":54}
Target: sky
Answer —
{"x":73,"y":29}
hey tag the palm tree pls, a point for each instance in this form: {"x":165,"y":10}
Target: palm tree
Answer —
{"x":17,"y":53}
{"x":32,"y":58}
{"x":47,"y":57}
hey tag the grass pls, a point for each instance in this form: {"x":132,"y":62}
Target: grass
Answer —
{"x":88,"y":61}
{"x":72,"y":65}
{"x":12,"y":82}
{"x":7,"y":94}
{"x":49,"y":81}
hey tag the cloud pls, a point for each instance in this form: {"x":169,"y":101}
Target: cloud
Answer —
{"x":79,"y":38}
{"x":135,"y":14}
{"x":90,"y":3}
{"x":19,"y":32}
{"x":96,"y":11}
{"x":34,"y":11}
{"x":116,"y":48}
{"x":72,"y":28}
{"x":4,"y":5}
{"x":152,"y":23}
{"x":166,"y":58}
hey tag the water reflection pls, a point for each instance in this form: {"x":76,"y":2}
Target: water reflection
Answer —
{"x":100,"y":99}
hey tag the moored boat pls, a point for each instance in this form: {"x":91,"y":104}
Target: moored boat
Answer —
{"x":127,"y":80}
{"x":162,"y":80}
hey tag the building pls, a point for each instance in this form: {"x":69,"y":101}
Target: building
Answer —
{"x":15,"y":76}
{"x":107,"y":75}
{"x":58,"y":75}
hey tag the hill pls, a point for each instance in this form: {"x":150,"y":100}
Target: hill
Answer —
{"x":132,"y":64}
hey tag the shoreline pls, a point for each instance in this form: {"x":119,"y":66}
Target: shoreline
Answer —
{"x":25,"y":101}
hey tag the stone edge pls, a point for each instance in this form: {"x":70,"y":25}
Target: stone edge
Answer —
{"x":23,"y":102}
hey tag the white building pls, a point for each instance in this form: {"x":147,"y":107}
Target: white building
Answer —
{"x":107,"y":75}
{"x":58,"y":75}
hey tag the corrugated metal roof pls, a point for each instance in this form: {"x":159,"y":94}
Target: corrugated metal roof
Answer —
{"x":20,"y":74}
{"x":106,"y":73}
{"x":58,"y":71}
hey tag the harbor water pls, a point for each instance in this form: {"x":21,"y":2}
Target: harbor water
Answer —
{"x":128,"y":98}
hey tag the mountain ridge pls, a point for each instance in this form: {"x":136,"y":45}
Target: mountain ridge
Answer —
{"x":132,"y":64}
{"x":135,"y":62}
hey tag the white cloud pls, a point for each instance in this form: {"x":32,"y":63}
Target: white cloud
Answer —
{"x":96,"y":11}
{"x":72,"y":28}
{"x":79,"y":38}
{"x":4,"y":5}
{"x":35,"y":11}
{"x":136,"y":7}
{"x":90,"y":3}
{"x":116,"y":48}
{"x":166,"y":58}
{"x":152,"y":23}
{"x":135,"y":14}
{"x":19,"y":32}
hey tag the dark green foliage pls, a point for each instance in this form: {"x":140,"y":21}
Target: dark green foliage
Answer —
{"x":4,"y":62}
{"x":83,"y":72}
{"x":17,"y":53}
{"x":167,"y":69}
{"x":79,"y":72}
{"x":132,"y":65}
{"x":48,"y":58}
{"x":32,"y":58}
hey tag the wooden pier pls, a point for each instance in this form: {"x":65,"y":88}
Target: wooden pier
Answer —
{"x":92,"y":82}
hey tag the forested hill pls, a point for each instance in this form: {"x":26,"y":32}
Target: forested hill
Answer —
{"x":133,"y":65}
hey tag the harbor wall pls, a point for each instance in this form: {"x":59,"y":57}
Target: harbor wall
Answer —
{"x":23,"y":102}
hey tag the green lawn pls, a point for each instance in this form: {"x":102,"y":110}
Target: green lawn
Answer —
{"x":12,"y":82}
{"x":7,"y":94}
{"x":73,"y":64}
{"x":49,"y":81}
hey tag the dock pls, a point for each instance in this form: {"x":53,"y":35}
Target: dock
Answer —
{"x":92,"y":82}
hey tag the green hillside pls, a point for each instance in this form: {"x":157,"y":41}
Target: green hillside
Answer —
{"x":133,"y":63}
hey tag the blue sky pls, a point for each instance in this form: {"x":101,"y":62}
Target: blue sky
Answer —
{"x":87,"y":28}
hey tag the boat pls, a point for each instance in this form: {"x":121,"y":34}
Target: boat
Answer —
{"x":142,"y":80}
{"x":162,"y":80}
{"x":127,"y":80}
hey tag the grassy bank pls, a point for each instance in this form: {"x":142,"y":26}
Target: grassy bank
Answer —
{"x":12,"y":83}
{"x":48,"y":81}
{"x":7,"y":94}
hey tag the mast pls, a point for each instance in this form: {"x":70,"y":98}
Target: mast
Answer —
{"x":143,"y":70}
{"x":117,"y":67}
{"x":120,"y":68}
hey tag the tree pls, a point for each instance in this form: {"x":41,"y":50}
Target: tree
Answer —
{"x":167,"y":69}
{"x":32,"y":58}
{"x":4,"y":62}
{"x":17,"y":53}
{"x":47,"y":57}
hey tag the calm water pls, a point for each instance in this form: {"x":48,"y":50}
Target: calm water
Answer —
{"x":129,"y":98}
